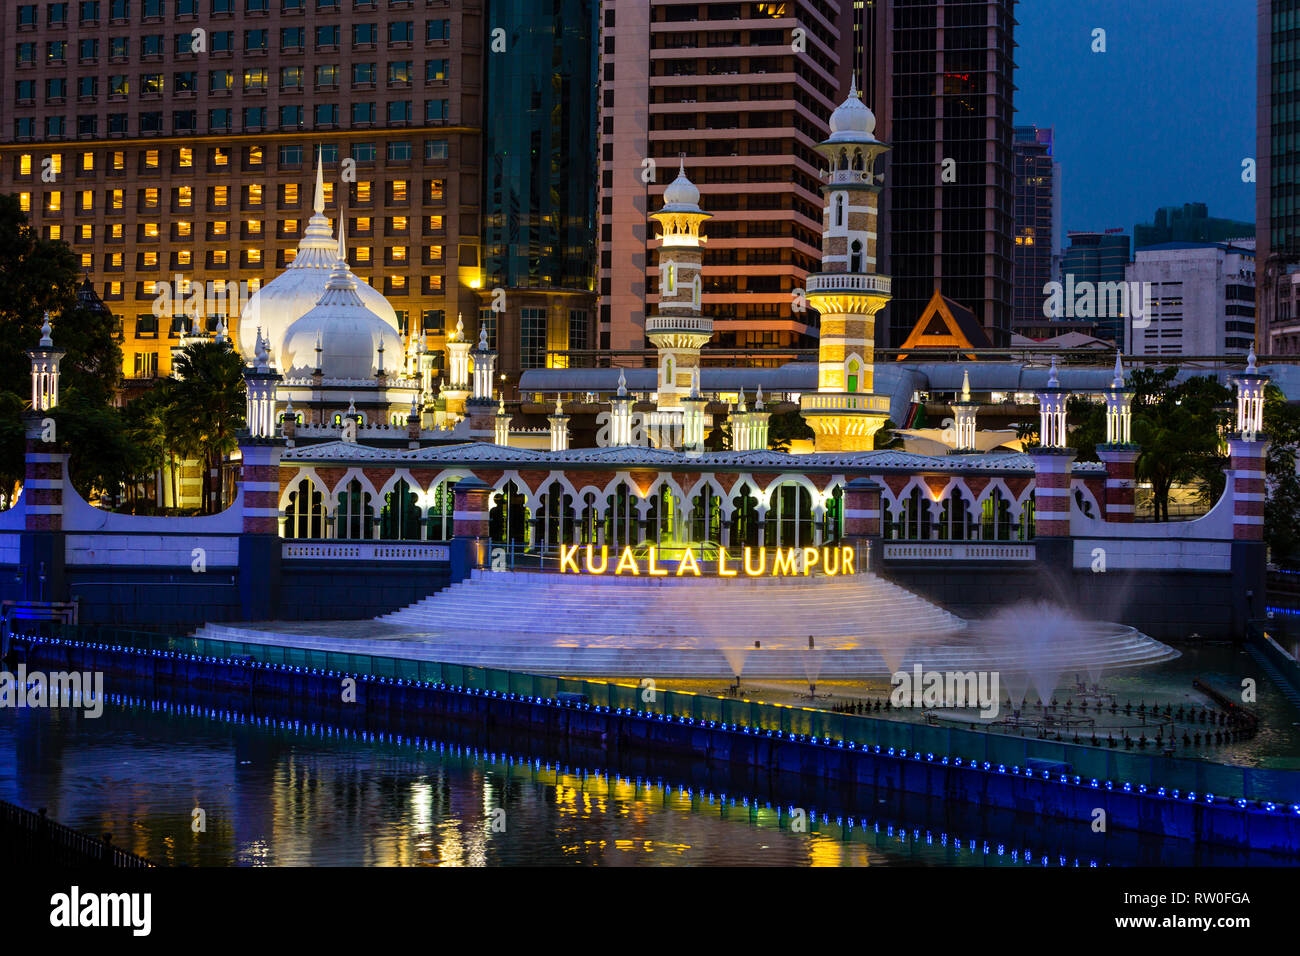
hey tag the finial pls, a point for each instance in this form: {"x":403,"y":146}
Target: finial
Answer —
{"x":740,"y":407}
{"x":1250,"y":360}
{"x":343,"y":241}
{"x":622,"y":384}
{"x":352,"y":405}
{"x":288,"y":406}
{"x":221,"y":329}
{"x":681,"y":165}
{"x":460,"y":328}
{"x":758,"y":398}
{"x":482,"y":338}
{"x":1119,"y":370}
{"x":381,"y":357}
{"x":965,"y":385}
{"x":559,"y":409}
{"x":319,"y":204}
{"x":415,"y":403}
{"x":1052,"y":380}
{"x":853,"y":84}
{"x":695,"y":382}
{"x":260,"y":351}
{"x":501,"y":406}
{"x":46,"y":332}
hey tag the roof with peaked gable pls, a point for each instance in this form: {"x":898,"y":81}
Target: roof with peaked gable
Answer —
{"x":945,"y":324}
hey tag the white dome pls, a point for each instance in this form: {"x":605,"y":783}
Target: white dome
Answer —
{"x":681,"y":191}
{"x":852,"y":119}
{"x":296,"y":291}
{"x":349,"y":334}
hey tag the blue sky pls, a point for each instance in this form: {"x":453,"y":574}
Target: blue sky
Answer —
{"x":1165,"y":116}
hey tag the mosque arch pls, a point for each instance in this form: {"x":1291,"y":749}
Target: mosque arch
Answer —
{"x":304,"y":510}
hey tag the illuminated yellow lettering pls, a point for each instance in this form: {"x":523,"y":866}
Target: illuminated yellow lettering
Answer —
{"x":604,"y":560}
{"x":784,"y":566}
{"x":654,"y":569}
{"x":848,"y":559}
{"x":569,"y":555}
{"x":687,"y":561}
{"x":810,"y":556}
{"x":722,"y":564}
{"x":831,"y":568}
{"x":762,"y":562}
{"x":627,"y":561}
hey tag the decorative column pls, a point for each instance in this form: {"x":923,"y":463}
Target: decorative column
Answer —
{"x":471,"y":504}
{"x":740,"y":425}
{"x":1119,"y":454}
{"x":1053,"y":463}
{"x":862,"y":525}
{"x":620,"y":415}
{"x":457,"y":387}
{"x":259,"y":452}
{"x":964,"y":412}
{"x":41,"y":545}
{"x":758,"y":423}
{"x":413,"y":423}
{"x":693,"y":417}
{"x":480,"y":407}
{"x":1248,"y":448}
{"x":559,"y":427}
{"x":501,"y":423}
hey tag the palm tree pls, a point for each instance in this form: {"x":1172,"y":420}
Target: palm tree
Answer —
{"x":209,"y":410}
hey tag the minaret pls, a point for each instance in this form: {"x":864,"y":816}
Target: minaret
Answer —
{"x":480,"y":407}
{"x":848,"y":292}
{"x":678,"y":328}
{"x":964,"y":411}
{"x":559,"y":427}
{"x":45,"y":370}
{"x":501,"y":431}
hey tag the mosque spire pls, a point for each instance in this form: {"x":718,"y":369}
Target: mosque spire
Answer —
{"x":1119,"y":370}
{"x":319,"y":204}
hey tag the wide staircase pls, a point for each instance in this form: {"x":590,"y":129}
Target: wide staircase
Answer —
{"x":807,"y":628}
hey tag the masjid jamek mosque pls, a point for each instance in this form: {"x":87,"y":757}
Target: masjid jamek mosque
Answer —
{"x":354,"y":455}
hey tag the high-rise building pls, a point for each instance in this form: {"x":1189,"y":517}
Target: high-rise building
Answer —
{"x":539,"y":182}
{"x":1190,"y":222}
{"x":1201,"y":301}
{"x":743,"y":91}
{"x":1095,"y":258}
{"x":1277,"y":177}
{"x":1038,"y":222}
{"x":943,"y":96}
{"x":166,"y":138}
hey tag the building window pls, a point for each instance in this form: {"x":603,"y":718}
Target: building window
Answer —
{"x":363,"y":114}
{"x":434,"y":321}
{"x":578,"y":325}
{"x":532,"y":338}
{"x":401,"y":31}
{"x":437,"y":30}
{"x":399,"y":111}
{"x":399,"y":151}
{"x":435,"y":111}
{"x":435,"y":70}
{"x":327,"y":114}
{"x":363,"y":153}
{"x":219,"y":120}
{"x":255,"y":41}
{"x":487,"y":319}
{"x":435,"y":149}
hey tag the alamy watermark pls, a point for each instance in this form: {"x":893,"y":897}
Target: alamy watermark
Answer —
{"x":1098,"y":300}
{"x":36,"y":689}
{"x":922,"y":688}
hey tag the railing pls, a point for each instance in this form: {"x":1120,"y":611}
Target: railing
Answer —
{"x":814,"y":402}
{"x":957,"y":551}
{"x":364,"y":550}
{"x":992,"y":751}
{"x":659,"y":323}
{"x":848,"y":282}
{"x":33,"y":839}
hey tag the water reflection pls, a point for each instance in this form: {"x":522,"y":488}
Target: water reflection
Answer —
{"x":277,"y":790}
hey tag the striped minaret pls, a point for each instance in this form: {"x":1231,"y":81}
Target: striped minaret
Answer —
{"x":259,"y":453}
{"x":1248,"y":448}
{"x":472,"y":502}
{"x":1052,"y":463}
{"x":1119,"y":454}
{"x":45,"y":466}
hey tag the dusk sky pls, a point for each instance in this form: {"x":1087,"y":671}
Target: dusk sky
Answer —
{"x":1165,"y":116}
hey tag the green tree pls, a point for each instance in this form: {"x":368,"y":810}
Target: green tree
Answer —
{"x":785,"y":427}
{"x":209,"y":401}
{"x":1282,"y":504}
{"x":886,"y":437}
{"x":1086,"y":427}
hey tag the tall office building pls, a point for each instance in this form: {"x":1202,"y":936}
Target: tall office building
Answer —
{"x":743,"y":91}
{"x":1190,"y":222}
{"x":1277,"y":177}
{"x":1038,"y":223}
{"x":1202,"y":299}
{"x":943,"y":95}
{"x":179,"y":137}
{"x":1095,"y":258}
{"x":539,"y":182}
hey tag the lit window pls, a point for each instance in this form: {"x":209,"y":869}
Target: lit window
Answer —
{"x":54,"y":202}
{"x":87,"y":200}
{"x":254,"y":257}
{"x":184,"y":196}
{"x":87,"y":260}
{"x":115,"y":260}
{"x":149,"y":260}
{"x":220,"y":196}
{"x":219,"y":257}
{"x":151,"y":230}
{"x":56,"y":163}
{"x":151,"y":159}
{"x":56,"y":231}
{"x":291,"y":193}
{"x":290,"y":227}
{"x":184,"y":257}
{"x":87,"y":162}
{"x":115,"y":231}
{"x":184,"y":228}
{"x":255,"y":155}
{"x":254,"y":227}
{"x":149,"y":287}
{"x":25,"y":202}
{"x":87,"y":231}
{"x":362,"y":254}
{"x":435,"y":223}
{"x":220,"y":229}
{"x":400,"y":223}
{"x":254,"y":194}
{"x":115,"y":288}
{"x":329,"y":193}
{"x":116,"y":200}
{"x":399,"y":253}
{"x":362,"y":224}
{"x":25,"y":164}
{"x":151,"y":198}
{"x":220,"y":157}
{"x":363,"y":192}
{"x":185,"y":157}
{"x":119,"y":161}
{"x":399,"y":190}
